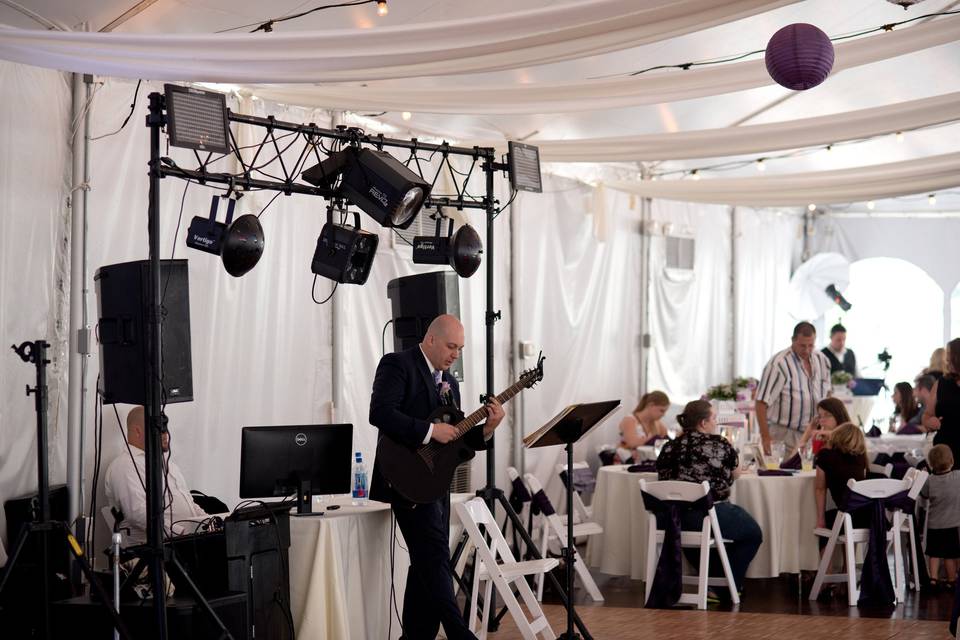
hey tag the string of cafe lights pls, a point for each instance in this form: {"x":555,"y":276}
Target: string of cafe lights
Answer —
{"x":267,"y":25}
{"x":685,"y":66}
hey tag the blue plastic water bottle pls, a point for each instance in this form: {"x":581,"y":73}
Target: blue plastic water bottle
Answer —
{"x":359,"y":479}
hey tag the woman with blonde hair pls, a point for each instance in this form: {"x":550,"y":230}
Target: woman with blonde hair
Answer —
{"x":643,"y":424}
{"x":843,"y":457}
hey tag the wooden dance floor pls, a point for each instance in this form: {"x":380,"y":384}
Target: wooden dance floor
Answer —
{"x":628,"y":623}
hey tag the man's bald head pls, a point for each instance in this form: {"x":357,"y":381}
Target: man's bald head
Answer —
{"x":136,"y":429}
{"x":443,"y":342}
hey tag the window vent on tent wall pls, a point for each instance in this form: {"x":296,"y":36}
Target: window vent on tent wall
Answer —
{"x":680,"y":253}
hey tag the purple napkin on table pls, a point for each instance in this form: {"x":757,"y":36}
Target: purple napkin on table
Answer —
{"x":908,"y":430}
{"x":647,"y":466}
{"x":874,"y":432}
{"x":793,"y":462}
{"x":773,"y":472}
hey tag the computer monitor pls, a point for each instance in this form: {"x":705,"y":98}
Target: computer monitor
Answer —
{"x":306,"y":460}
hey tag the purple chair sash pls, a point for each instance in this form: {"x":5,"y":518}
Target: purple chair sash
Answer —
{"x":876,"y":587}
{"x":646,"y":466}
{"x":583,"y":480}
{"x":793,"y":462}
{"x":518,"y":495}
{"x":668,"y":580}
{"x":540,"y":503}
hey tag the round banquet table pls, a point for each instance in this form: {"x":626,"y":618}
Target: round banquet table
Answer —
{"x":891,"y":443}
{"x":783,"y":506}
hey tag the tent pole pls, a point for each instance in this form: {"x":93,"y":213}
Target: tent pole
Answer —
{"x":79,"y":332}
{"x":734,"y":316}
{"x":646,"y":213}
{"x":518,"y":454}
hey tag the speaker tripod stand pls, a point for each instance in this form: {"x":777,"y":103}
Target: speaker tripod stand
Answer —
{"x":36,"y":353}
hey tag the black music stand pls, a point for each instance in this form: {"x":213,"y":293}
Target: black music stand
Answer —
{"x":566,"y":428}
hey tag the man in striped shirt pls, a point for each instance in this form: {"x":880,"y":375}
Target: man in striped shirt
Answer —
{"x":792,"y":384}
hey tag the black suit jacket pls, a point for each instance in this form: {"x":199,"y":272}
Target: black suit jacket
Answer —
{"x":404,"y":395}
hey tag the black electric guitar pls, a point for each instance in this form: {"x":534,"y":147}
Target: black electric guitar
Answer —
{"x":423,"y":474}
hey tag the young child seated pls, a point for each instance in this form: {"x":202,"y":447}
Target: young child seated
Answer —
{"x":943,"y":524}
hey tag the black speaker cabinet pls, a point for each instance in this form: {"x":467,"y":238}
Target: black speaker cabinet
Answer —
{"x":416,"y":300}
{"x":123,"y":296}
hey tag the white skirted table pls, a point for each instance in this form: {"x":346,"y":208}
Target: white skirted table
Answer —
{"x":891,"y":443}
{"x":783,"y":506}
{"x":340,"y":573}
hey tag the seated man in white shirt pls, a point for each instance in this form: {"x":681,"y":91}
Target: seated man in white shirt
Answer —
{"x":126,"y":490}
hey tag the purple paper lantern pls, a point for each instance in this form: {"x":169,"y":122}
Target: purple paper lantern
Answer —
{"x":799,"y":56}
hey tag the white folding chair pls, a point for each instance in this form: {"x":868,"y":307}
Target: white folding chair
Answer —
{"x":554,"y":529}
{"x":885,"y":470}
{"x":917,"y":479}
{"x":524,"y":514}
{"x":845,"y":534}
{"x":495,"y":566}
{"x":582,"y":513}
{"x":708,"y":536}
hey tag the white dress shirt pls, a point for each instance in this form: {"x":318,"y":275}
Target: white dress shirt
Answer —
{"x":125,"y":491}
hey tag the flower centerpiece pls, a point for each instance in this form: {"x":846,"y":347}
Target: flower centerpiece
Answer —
{"x":721,"y":392}
{"x":842,"y":382}
{"x":745,"y":388}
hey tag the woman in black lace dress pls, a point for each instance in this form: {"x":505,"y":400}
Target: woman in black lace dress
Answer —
{"x":700,"y":454}
{"x":943,"y":414}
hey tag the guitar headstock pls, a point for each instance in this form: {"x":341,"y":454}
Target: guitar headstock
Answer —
{"x":532,"y":376}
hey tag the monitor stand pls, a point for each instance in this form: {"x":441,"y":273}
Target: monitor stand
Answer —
{"x":304,"y":498}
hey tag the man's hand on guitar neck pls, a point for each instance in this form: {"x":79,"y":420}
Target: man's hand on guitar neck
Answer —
{"x":443,"y":432}
{"x":494,"y":416}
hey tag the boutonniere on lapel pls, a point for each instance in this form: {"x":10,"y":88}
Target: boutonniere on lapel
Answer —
{"x":446,"y":395}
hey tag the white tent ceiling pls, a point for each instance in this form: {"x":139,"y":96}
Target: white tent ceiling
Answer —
{"x":923,"y":74}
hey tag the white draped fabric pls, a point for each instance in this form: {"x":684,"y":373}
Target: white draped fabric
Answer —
{"x":490,"y":43}
{"x":34,"y":268}
{"x":762,"y":267}
{"x":607,"y":93}
{"x":757,"y":138}
{"x":690,"y":310}
{"x":577,"y":299}
{"x":857,"y":184}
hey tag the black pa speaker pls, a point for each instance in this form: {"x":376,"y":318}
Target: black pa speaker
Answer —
{"x":122,"y":294}
{"x":416,"y":300}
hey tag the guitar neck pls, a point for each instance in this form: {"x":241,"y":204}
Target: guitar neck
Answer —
{"x":477,"y":416}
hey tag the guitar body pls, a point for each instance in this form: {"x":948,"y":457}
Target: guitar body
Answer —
{"x":423,"y":474}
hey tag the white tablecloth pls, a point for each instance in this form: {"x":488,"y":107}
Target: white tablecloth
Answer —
{"x":783,"y":506}
{"x":892,"y":443}
{"x":340,"y":573}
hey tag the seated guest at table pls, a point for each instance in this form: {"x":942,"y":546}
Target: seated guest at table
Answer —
{"x":938,"y":364}
{"x":943,"y":528}
{"x":700,"y":454}
{"x":905,"y":407}
{"x":942,"y":414}
{"x":923,"y":392}
{"x":842,"y":458}
{"x":831,"y":413}
{"x":642,"y":425}
{"x":841,"y":358}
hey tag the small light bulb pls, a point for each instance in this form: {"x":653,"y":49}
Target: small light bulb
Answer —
{"x":382,"y":9}
{"x":899,"y":136}
{"x":406,"y":115}
{"x":870,"y":205}
{"x":653,"y":178}
{"x":829,"y":148}
{"x":811,"y":207}
{"x":695,"y":175}
{"x":932,"y":199}
{"x":254,"y":98}
{"x":760,"y":165}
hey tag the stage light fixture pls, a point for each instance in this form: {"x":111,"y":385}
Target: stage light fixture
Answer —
{"x":375,"y":181}
{"x":461,"y":250}
{"x":239,"y":243}
{"x":524,"y":167}
{"x":197,"y":119}
{"x":344,"y":254}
